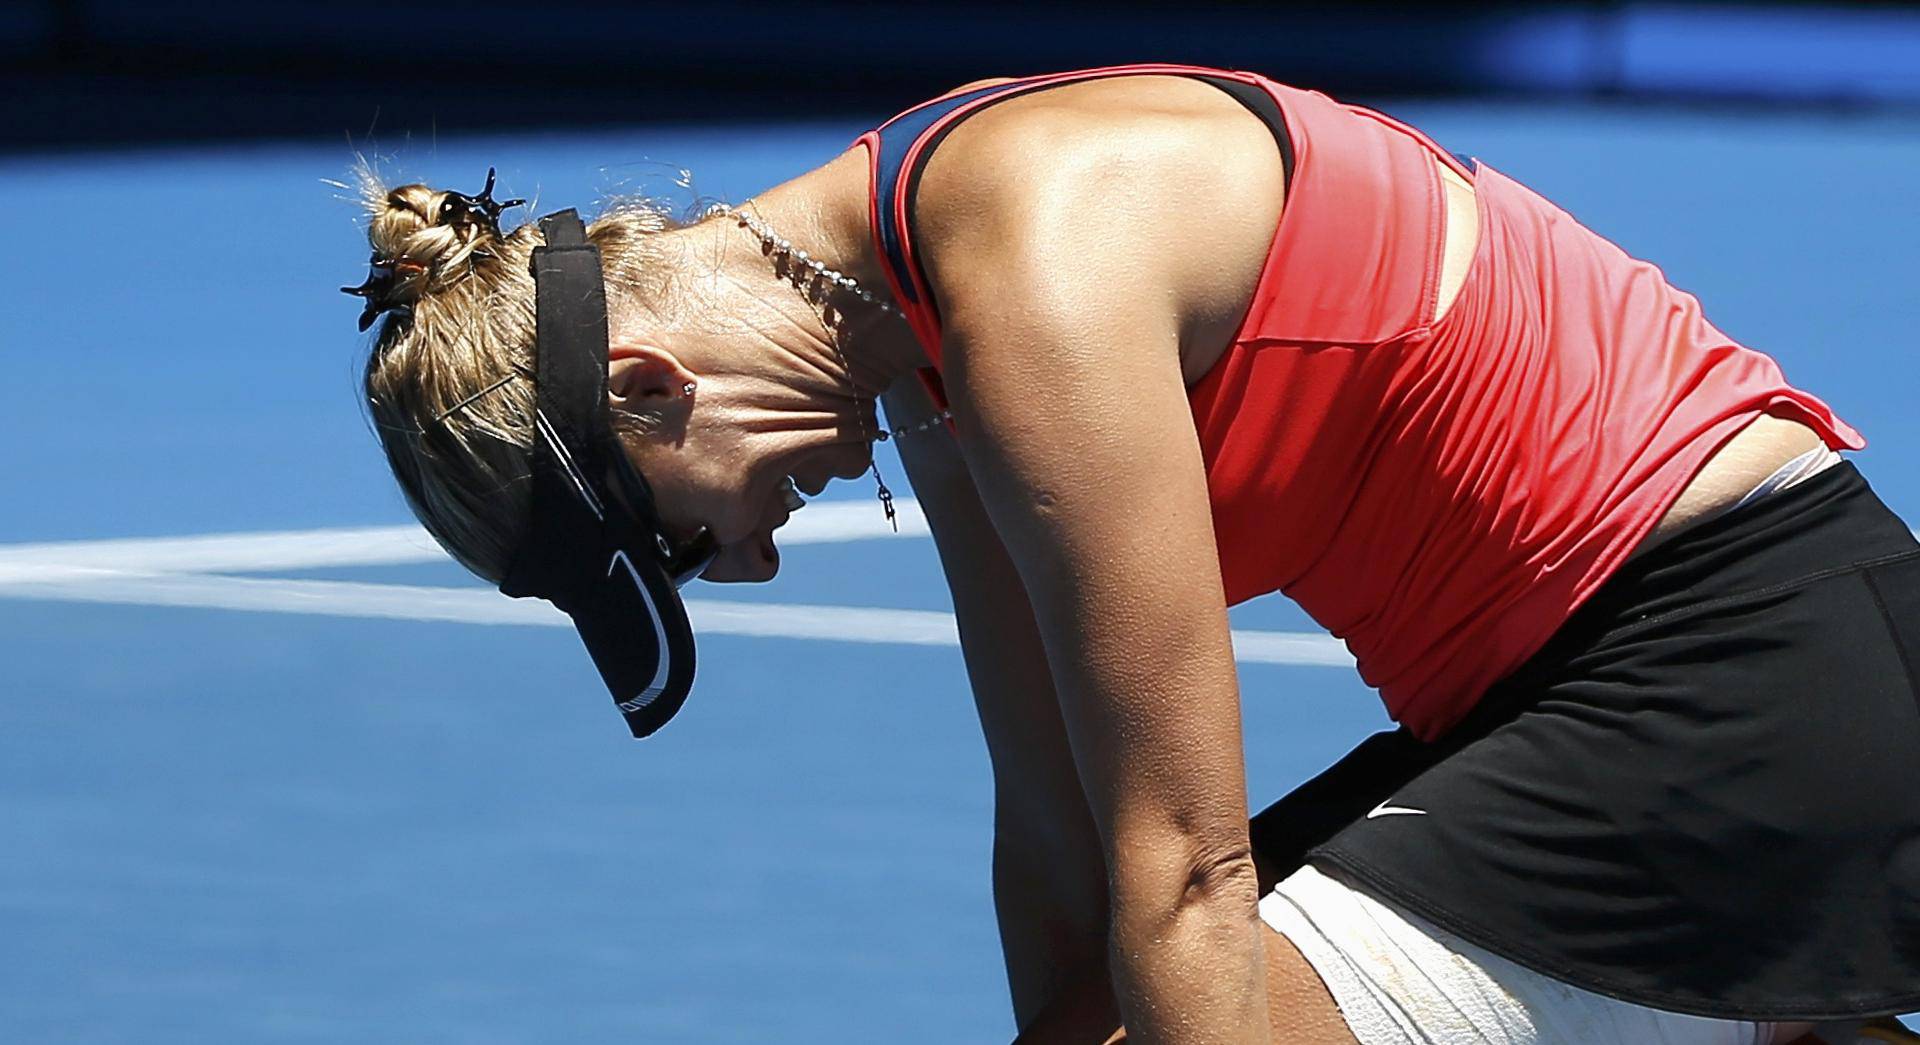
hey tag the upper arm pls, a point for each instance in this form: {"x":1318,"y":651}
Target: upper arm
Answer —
{"x":1062,"y":324}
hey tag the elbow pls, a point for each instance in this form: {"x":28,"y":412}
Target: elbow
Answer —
{"x":1173,"y":880}
{"x":1222,"y":874}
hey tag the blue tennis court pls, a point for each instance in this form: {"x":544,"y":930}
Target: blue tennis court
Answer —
{"x":272,"y":770}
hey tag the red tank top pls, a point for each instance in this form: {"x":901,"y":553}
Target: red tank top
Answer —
{"x":1441,"y":495}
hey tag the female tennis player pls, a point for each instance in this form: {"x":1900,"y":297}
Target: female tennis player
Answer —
{"x":1156,"y":339}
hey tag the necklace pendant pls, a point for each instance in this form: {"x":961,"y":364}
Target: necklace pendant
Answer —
{"x":886,"y":499}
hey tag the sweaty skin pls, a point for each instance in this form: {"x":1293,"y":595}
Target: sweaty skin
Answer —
{"x":1076,"y":533}
{"x":1039,"y":292}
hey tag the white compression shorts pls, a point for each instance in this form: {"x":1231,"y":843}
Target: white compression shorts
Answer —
{"x":1400,"y":980}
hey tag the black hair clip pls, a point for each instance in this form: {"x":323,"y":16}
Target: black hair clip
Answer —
{"x":378,"y":288}
{"x":463,"y":212}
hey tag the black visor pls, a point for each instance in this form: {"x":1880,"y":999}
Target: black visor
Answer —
{"x":595,"y":546}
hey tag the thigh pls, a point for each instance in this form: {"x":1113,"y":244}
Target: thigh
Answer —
{"x":1299,"y":1006}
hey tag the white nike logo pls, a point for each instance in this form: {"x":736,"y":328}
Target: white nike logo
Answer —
{"x":1383,"y":809}
{"x":659,"y":683}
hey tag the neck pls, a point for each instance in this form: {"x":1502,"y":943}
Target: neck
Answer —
{"x":824,"y":214}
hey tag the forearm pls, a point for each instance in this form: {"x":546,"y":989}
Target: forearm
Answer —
{"x":1084,"y":1010}
{"x":1053,"y":930}
{"x":1049,"y":874}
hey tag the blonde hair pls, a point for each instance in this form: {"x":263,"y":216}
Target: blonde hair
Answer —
{"x":460,"y":321}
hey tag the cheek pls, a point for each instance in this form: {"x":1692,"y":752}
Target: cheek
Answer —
{"x":676,"y":492}
{"x":692,"y":489}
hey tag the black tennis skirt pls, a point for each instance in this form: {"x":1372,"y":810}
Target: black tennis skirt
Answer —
{"x":1703,"y":795}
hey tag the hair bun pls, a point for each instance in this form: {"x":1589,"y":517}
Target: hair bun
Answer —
{"x":421,"y":239}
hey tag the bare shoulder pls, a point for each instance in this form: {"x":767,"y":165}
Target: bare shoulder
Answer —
{"x":1156,"y":186}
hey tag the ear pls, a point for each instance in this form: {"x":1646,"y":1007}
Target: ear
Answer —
{"x":643,"y":377}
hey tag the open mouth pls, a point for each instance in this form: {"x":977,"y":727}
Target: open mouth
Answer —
{"x":790,"y":495}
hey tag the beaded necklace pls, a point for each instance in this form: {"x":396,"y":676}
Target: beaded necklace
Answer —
{"x":821,"y":274}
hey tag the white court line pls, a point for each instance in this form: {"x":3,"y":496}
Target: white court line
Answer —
{"x":484,"y":606}
{"x":818,"y":523}
{"x":192,"y":572}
